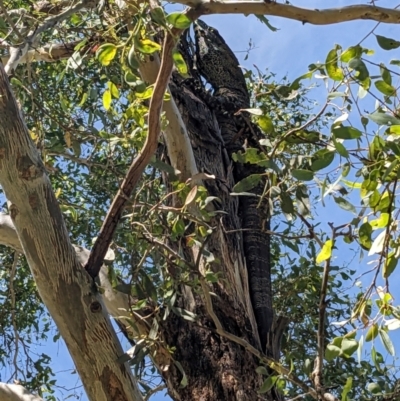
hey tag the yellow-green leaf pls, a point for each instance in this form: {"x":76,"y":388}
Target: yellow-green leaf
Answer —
{"x":266,"y":124}
{"x":146,"y":46}
{"x":351,"y":52}
{"x":113,"y":89}
{"x":372,"y":332}
{"x":390,"y":265}
{"x":179,"y":20}
{"x":107,"y":99}
{"x":180,"y":63}
{"x":334,"y":72}
{"x":385,"y":88}
{"x":106,"y":53}
{"x":326,"y":251}
{"x":146,"y":94}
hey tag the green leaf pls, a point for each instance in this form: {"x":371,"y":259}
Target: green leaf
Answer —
{"x":331,"y":352}
{"x":265,"y":21}
{"x":158,"y":15}
{"x":380,"y":222}
{"x":385,"y":74}
{"x":389,"y":265}
{"x":386,"y":89}
{"x":394,"y":129}
{"x":326,"y":252}
{"x":342,"y":132}
{"x":266,"y":124}
{"x":113,"y":89}
{"x":178,"y":228}
{"x":383,"y":119}
{"x":106,"y":53}
{"x":184,"y":380}
{"x":361,"y":70}
{"x":303,"y":175}
{"x":107,"y":99}
{"x":179,"y":20}
{"x":180,"y":63}
{"x":387,"y":43}
{"x":364,"y":234}
{"x":267,"y":385}
{"x":286,"y":203}
{"x":149,"y":287}
{"x":247,"y":183}
{"x":322,"y":159}
{"x":372,"y":333}
{"x":132,"y":59}
{"x":291,"y":244}
{"x":351,"y":52}
{"x":261,"y":370}
{"x":387,"y":343}
{"x":341,"y":149}
{"x":147,"y":93}
{"x":345,"y":204}
{"x":130,"y":78}
{"x":347,"y":388}
{"x":334,"y":72}
{"x":349,"y":346}
{"x":296,"y":83}
{"x":146,"y":46}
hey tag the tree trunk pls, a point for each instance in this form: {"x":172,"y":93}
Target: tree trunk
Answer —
{"x":216,"y":368}
{"x":66,"y":289}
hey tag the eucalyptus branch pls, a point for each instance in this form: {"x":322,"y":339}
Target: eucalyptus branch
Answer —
{"x":316,"y":17}
{"x":139,"y":163}
{"x":17,"y":53}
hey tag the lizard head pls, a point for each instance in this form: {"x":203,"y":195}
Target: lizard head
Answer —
{"x":205,"y":36}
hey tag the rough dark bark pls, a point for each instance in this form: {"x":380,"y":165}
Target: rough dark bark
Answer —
{"x":216,"y":368}
{"x":218,"y":64}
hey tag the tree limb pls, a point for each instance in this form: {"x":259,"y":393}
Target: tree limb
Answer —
{"x":17,"y":53}
{"x":138,"y":165}
{"x":304,"y":15}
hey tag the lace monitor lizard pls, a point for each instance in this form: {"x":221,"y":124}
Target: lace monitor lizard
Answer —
{"x":217,"y":63}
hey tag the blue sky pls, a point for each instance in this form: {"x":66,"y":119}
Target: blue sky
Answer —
{"x":286,"y":52}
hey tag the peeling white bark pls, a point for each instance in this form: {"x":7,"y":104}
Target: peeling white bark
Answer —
{"x":15,"y":392}
{"x":64,"y":286}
